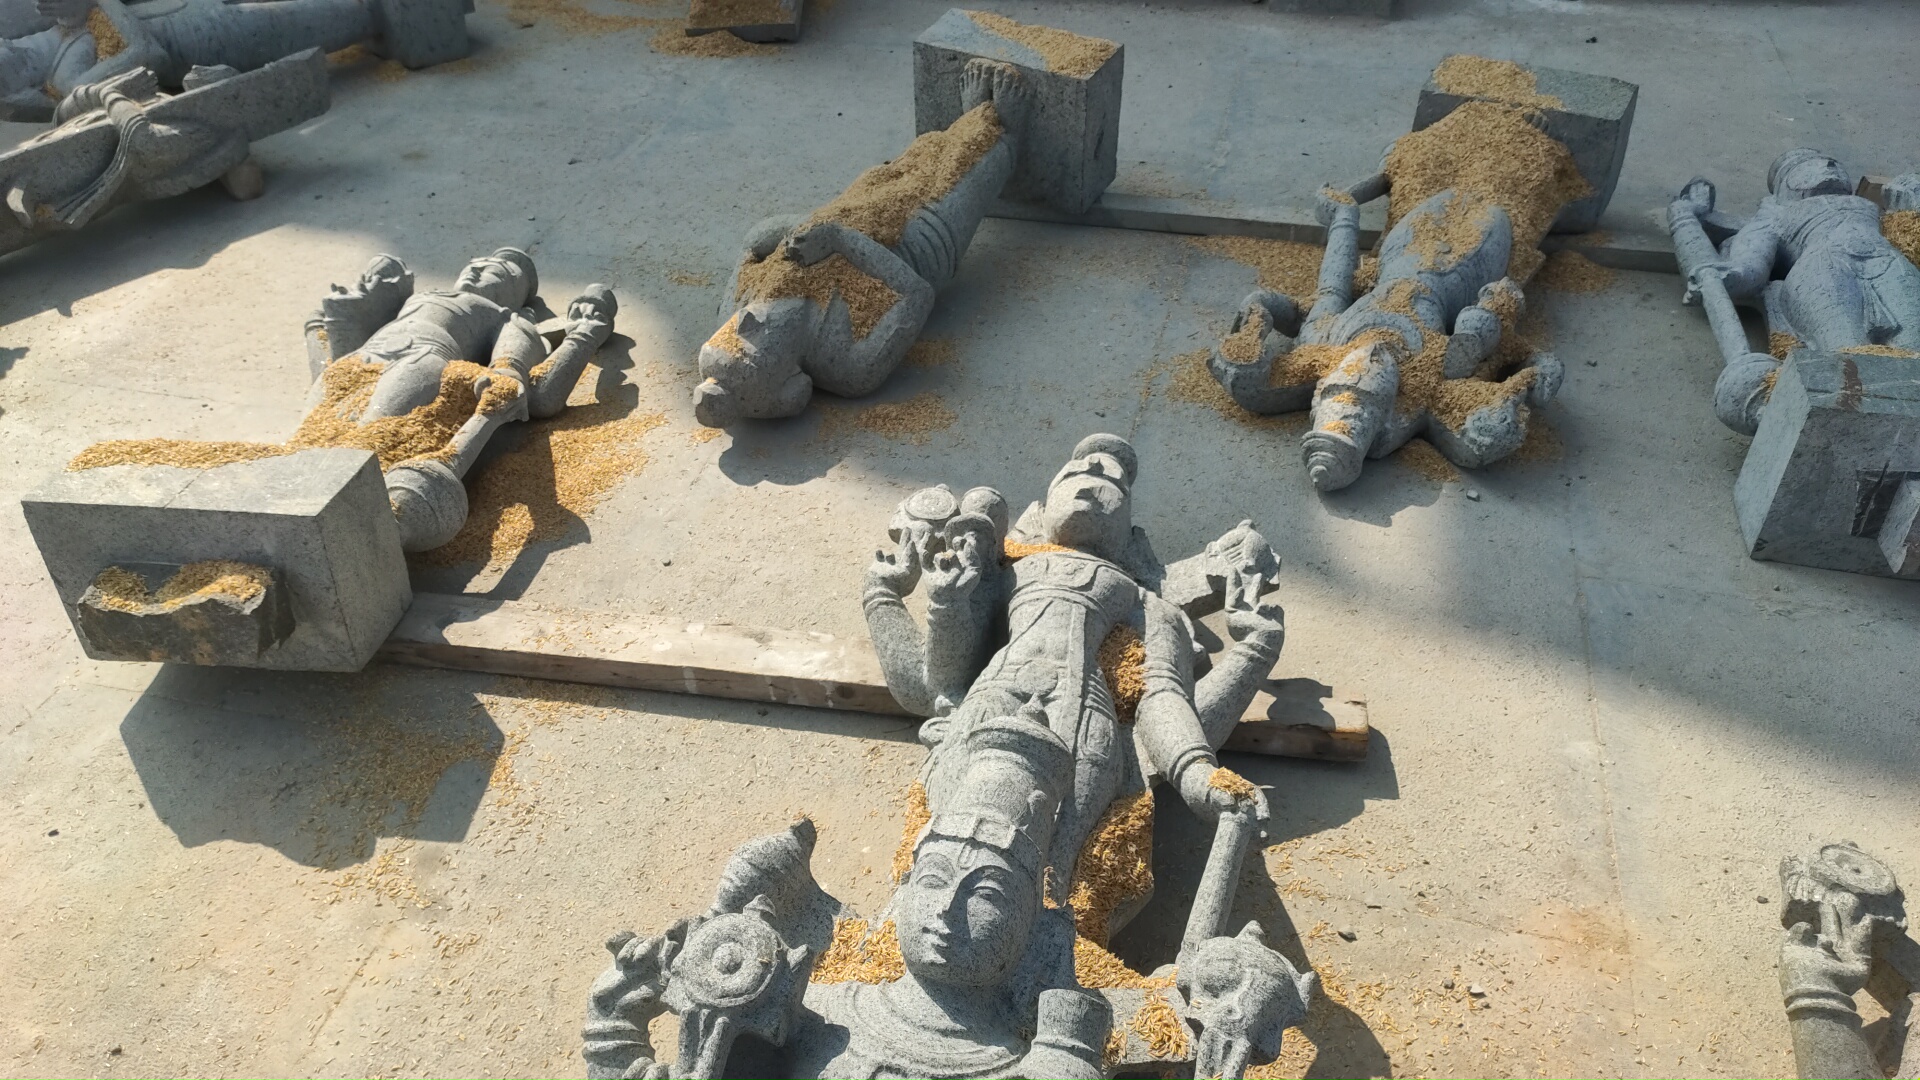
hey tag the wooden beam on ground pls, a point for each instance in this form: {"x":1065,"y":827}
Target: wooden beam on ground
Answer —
{"x":1290,"y":717}
{"x":1200,"y":217}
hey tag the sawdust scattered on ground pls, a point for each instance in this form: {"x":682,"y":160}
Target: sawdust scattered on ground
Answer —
{"x":674,"y":41}
{"x":1420,"y":456}
{"x":932,"y":352}
{"x":1098,"y":969}
{"x":1902,"y":230}
{"x":690,"y":277}
{"x":701,"y":435}
{"x":916,"y":815}
{"x":1500,"y":80}
{"x":1193,"y":384}
{"x":912,"y":420}
{"x":1284,"y":265}
{"x":857,"y":956}
{"x":359,"y":57}
{"x":121,"y":589}
{"x":1572,"y":272}
{"x":1115,"y":866}
{"x":1064,"y":53}
{"x":1160,"y":1027}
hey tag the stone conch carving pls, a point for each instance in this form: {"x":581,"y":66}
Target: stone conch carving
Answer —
{"x":1029,"y":835}
{"x":63,"y":45}
{"x":121,"y":140}
{"x":1845,"y":926}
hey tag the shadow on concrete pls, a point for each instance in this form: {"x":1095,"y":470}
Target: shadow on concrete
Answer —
{"x":317,"y":767}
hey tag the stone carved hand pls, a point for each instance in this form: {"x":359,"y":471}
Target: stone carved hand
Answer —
{"x":1245,"y":996}
{"x":1208,"y":802}
{"x":593,"y":311}
{"x":1696,"y":198}
{"x":811,"y":244}
{"x":1329,"y":203}
{"x":951,"y":575}
{"x":1838,"y":957}
{"x":629,"y":988}
{"x":897,"y":571}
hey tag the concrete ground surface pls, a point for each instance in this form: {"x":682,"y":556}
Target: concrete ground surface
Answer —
{"x":1599,"y":726}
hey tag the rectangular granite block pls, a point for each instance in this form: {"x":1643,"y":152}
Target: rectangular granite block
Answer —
{"x":749,"y":20}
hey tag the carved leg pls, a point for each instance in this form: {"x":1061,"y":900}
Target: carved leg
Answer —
{"x":1486,"y":434}
{"x":1350,"y":408}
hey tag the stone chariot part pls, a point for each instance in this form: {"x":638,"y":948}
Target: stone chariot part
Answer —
{"x":71,"y":44}
{"x":1832,"y":478}
{"x":123,"y":141}
{"x":835,"y":299}
{"x":292,"y":555}
{"x":1845,"y":924}
{"x":1028,"y":839}
{"x":1430,"y":347}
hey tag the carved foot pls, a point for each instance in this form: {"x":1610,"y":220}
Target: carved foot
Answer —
{"x":244,"y":181}
{"x":984,"y":81}
{"x":1333,"y":461}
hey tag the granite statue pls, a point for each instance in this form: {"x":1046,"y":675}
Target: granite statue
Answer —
{"x":67,"y":44}
{"x":834,"y":300}
{"x":1832,"y":478}
{"x":310,"y":534}
{"x":1028,"y":836}
{"x":1845,"y":922}
{"x":122,"y":140}
{"x":1430,"y":347}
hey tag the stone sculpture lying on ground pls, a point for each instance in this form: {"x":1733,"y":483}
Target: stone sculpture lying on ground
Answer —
{"x":1845,"y":920}
{"x":68,"y":44}
{"x":290,"y":555}
{"x":1431,"y":347}
{"x":123,"y":141}
{"x":834,"y":300}
{"x":1833,"y":476}
{"x":1029,"y":836}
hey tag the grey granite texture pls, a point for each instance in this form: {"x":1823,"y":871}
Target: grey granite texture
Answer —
{"x":1384,"y":9}
{"x":122,"y":141}
{"x":782,"y":23}
{"x":318,"y":519}
{"x":212,"y":628}
{"x":1832,"y":464}
{"x":171,"y":37}
{"x":1593,"y":122}
{"x":1845,"y":924}
{"x":1068,"y":154}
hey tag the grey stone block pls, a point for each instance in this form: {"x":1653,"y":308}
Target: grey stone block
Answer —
{"x":1833,"y":460}
{"x":1594,"y":122}
{"x":211,"y":628}
{"x":752,"y":20}
{"x":318,"y":519}
{"x":1068,"y":155}
{"x":1900,"y":532}
{"x":1383,"y":9}
{"x":421,"y":33}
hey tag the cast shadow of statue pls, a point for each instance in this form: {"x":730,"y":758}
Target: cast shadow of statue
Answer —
{"x":514,"y":490}
{"x":1307,"y":797}
{"x":317,"y":767}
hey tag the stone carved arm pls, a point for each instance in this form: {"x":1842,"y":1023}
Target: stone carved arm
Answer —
{"x":897,"y":640}
{"x":143,"y":49}
{"x":624,"y":1000}
{"x":930,"y":674}
{"x":553,"y":379}
{"x":350,"y":314}
{"x":1820,"y":971}
{"x":871,"y":359}
{"x":1247,"y":564}
{"x":1167,"y":728}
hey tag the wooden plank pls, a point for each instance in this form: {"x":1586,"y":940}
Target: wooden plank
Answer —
{"x":1289,"y":718}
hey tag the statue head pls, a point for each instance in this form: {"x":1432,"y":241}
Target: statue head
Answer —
{"x":505,"y":277}
{"x":751,"y":367}
{"x":1801,"y":172}
{"x":1090,"y":501}
{"x":966,"y":912}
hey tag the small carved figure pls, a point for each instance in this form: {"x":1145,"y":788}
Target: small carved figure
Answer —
{"x":1812,"y":258}
{"x":1028,"y":840}
{"x":77,"y":42}
{"x":1432,"y":348}
{"x":834,"y":300}
{"x":1845,"y":930}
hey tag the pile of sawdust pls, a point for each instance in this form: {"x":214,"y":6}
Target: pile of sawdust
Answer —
{"x":689,"y":277}
{"x":562,"y":468}
{"x":1195,"y":385}
{"x":1123,"y":661}
{"x":179,"y":453}
{"x":570,"y":16}
{"x":1064,"y":53}
{"x":1243,"y":346}
{"x":705,"y":435}
{"x":1572,"y":272}
{"x":1884,"y":350}
{"x":917,"y":815}
{"x":1098,"y":969}
{"x":727,"y":338}
{"x":1160,"y":1028}
{"x":1439,"y":241}
{"x":856,"y":956}
{"x":932,"y":352}
{"x":107,"y":41}
{"x":912,"y":420}
{"x":1420,"y":456}
{"x":1491,"y":153}
{"x":123,"y":590}
{"x":881,"y":200}
{"x":1284,"y":266}
{"x":674,"y":41}
{"x":1225,"y":779}
{"x":1115,"y":866}
{"x":1902,"y":230}
{"x":1780,"y":343}
{"x":360,"y":56}
{"x":777,"y":276}
{"x":1499,"y":80}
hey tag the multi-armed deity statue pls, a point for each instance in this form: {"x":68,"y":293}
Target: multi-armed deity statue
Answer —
{"x":834,"y":300}
{"x":1056,"y":673}
{"x":1432,"y":347}
{"x":1833,"y":476}
{"x":308,"y":535}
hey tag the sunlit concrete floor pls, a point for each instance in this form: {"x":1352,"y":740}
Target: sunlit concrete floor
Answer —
{"x":1599,"y":725}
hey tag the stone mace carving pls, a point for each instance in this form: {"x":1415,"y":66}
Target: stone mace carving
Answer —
{"x":62,"y":45}
{"x":1432,"y":347}
{"x":122,"y":141}
{"x":1028,"y":838}
{"x":1845,"y":926}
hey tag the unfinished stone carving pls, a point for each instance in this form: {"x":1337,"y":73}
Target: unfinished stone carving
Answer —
{"x":409,"y":387}
{"x":1431,"y":347}
{"x":1833,"y":476}
{"x":834,"y":300}
{"x":1845,"y":920}
{"x":78,"y":42}
{"x":122,"y":141}
{"x":1029,"y":835}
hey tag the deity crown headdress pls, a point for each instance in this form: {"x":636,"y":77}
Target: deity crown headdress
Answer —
{"x":1013,"y":774}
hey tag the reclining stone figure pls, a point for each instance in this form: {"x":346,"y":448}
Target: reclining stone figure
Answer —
{"x":73,"y":43}
{"x":1432,"y":348}
{"x":835,"y":300}
{"x":1028,"y":840}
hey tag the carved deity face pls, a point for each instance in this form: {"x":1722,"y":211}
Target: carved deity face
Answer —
{"x":1089,"y":505}
{"x":496,"y":279}
{"x":965,"y":914}
{"x":1815,"y":176}
{"x":752,"y":365}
